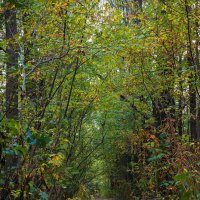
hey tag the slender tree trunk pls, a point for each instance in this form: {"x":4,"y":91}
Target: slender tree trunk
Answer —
{"x":180,"y":104}
{"x":180,"y":116}
{"x":197,"y":65}
{"x":11,"y":65}
{"x":192,"y":95}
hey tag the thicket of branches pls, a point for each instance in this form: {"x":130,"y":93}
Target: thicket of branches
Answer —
{"x":99,"y":97}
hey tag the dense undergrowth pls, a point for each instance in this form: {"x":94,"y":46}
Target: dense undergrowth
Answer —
{"x":157,"y":164}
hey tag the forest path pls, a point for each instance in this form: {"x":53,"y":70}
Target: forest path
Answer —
{"x":104,"y":199}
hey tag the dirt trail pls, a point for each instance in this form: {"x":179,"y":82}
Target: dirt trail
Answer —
{"x":104,"y":199}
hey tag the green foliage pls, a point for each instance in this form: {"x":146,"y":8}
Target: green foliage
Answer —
{"x":43,"y":196}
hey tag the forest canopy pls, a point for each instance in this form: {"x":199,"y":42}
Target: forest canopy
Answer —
{"x":99,"y":99}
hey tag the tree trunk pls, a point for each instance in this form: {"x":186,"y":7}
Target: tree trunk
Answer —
{"x":180,"y":116}
{"x":192,"y":103}
{"x":198,"y":66}
{"x":192,"y":94}
{"x":11,"y":95}
{"x":11,"y":65}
